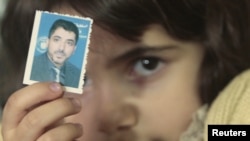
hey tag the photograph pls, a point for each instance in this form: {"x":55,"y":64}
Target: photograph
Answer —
{"x":58,"y":50}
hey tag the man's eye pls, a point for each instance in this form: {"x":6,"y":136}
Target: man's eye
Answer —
{"x":56,"y":39}
{"x":70,"y":43}
{"x":147,"y":66}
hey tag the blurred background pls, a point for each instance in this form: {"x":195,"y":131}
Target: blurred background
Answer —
{"x":2,"y":7}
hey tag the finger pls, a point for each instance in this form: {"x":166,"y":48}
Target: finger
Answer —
{"x":65,"y":132}
{"x":21,"y":101}
{"x":46,"y":115}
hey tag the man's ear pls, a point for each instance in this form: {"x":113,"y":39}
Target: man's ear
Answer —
{"x":74,"y":49}
{"x":46,"y":42}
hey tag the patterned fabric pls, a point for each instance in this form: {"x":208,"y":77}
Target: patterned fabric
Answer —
{"x":196,"y":128}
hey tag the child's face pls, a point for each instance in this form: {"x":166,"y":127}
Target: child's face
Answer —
{"x":139,"y":91}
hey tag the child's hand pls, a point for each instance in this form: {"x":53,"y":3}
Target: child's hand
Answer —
{"x":36,"y":113}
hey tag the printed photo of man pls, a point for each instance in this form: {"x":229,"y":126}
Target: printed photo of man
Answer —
{"x":53,"y":65}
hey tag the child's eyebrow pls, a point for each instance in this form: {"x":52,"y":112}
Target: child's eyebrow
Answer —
{"x":140,"y":50}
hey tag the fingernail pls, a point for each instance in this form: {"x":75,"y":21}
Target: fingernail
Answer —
{"x":79,"y":126}
{"x":76,"y":102}
{"x":55,"y":87}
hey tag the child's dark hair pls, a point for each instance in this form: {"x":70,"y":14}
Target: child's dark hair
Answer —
{"x":220,"y":26}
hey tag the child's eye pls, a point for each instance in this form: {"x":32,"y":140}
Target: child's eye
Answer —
{"x":147,"y":66}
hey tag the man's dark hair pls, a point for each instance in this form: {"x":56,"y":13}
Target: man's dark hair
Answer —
{"x":66,"y":25}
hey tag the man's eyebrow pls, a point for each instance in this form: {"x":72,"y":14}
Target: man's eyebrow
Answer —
{"x":56,"y":36}
{"x":140,"y":50}
{"x":72,"y":40}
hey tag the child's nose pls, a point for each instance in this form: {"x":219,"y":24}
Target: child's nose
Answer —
{"x":119,"y":119}
{"x":117,"y":114}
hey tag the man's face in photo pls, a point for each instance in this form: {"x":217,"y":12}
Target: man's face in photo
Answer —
{"x":61,"y":45}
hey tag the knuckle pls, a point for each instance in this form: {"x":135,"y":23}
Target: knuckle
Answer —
{"x":78,"y":130}
{"x":32,"y":121}
{"x":13,"y":101}
{"x":12,"y":136}
{"x":6,"y":137}
{"x":46,"y":138}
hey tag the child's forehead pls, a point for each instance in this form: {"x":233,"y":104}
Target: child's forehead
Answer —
{"x":109,"y":44}
{"x":105,"y":42}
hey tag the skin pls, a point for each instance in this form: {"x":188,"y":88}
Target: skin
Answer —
{"x":122,"y":100}
{"x":61,"y":46}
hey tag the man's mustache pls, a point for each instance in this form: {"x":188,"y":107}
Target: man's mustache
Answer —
{"x":60,"y":52}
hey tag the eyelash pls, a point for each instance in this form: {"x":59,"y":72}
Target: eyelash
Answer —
{"x":134,"y":67}
{"x":145,"y":67}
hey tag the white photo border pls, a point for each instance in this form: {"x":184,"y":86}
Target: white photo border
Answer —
{"x":32,"y":47}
